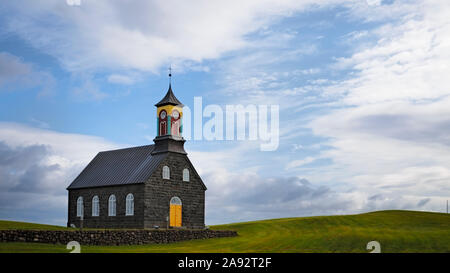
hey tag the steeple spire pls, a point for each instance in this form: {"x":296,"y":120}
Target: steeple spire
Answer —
{"x":169,"y":98}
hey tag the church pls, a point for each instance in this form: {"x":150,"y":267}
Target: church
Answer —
{"x":151,"y":186}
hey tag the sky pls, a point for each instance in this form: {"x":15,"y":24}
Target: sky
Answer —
{"x":361,"y":85}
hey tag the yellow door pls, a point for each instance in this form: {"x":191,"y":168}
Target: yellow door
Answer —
{"x":175,"y":215}
{"x":172,"y":215}
{"x":178,"y":216}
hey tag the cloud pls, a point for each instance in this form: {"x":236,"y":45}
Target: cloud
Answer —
{"x":300,"y":162}
{"x":40,"y":123}
{"x":36,"y":166}
{"x":251,"y":197}
{"x":121,"y":79}
{"x":141,"y":35}
{"x":408,"y":62}
{"x":389,"y":128}
{"x":239,"y":191}
{"x":11,"y":67}
{"x":20,"y":164}
{"x":16,"y":74}
{"x":88,"y":91}
{"x":423,"y":202}
{"x":383,"y":126}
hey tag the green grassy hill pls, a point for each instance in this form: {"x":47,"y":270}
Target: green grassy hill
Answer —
{"x":24,"y":225}
{"x":397,"y":231}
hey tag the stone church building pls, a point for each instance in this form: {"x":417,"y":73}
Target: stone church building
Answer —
{"x":142,"y":187}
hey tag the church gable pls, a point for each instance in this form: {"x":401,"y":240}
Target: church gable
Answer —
{"x":180,"y":170}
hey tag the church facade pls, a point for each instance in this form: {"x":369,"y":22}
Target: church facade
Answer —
{"x":142,"y":187}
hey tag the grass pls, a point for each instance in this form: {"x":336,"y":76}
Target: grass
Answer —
{"x":397,"y":231}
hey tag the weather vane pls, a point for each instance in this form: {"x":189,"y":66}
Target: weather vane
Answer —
{"x":170,"y":74}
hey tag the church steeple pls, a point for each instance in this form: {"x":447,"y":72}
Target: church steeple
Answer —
{"x":169,"y":120}
{"x":169,"y":115}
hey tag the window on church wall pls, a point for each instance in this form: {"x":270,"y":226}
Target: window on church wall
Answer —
{"x":95,"y":206}
{"x":129,"y":205}
{"x":80,"y":206}
{"x":112,"y":205}
{"x":186,"y":175}
{"x":175,"y":123}
{"x":175,"y":128}
{"x":163,"y":128}
{"x":163,"y":123}
{"x":166,"y":172}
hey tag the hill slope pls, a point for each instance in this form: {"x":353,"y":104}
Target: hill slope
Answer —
{"x":24,"y":225}
{"x":397,"y":231}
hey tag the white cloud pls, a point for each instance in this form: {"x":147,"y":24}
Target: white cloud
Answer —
{"x":410,"y":60}
{"x":141,"y":34}
{"x":14,"y":135}
{"x":300,"y":162}
{"x":390,"y":136}
{"x":121,"y":79}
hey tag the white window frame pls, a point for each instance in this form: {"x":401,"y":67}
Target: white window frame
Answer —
{"x":80,"y":207}
{"x":112,"y":205}
{"x":95,"y":206}
{"x":186,"y":175}
{"x":166,"y":172}
{"x":129,"y":205}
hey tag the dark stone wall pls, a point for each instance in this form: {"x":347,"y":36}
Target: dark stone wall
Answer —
{"x":111,"y":237}
{"x":158,"y":193}
{"x":103,"y":220}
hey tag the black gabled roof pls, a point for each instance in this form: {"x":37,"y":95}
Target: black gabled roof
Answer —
{"x":119,"y":167}
{"x":169,"y":99}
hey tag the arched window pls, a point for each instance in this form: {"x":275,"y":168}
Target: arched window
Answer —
{"x":175,"y":201}
{"x":162,"y":123}
{"x":166,"y":172}
{"x":95,"y":206}
{"x":129,"y":205}
{"x":175,"y":123}
{"x":80,"y":206}
{"x":186,"y":175}
{"x":112,"y":205}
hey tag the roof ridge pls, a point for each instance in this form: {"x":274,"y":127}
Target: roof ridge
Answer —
{"x":128,"y":148}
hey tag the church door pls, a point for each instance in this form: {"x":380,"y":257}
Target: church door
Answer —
{"x":175,"y":212}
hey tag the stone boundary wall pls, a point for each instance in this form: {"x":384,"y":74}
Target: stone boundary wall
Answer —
{"x":111,"y":237}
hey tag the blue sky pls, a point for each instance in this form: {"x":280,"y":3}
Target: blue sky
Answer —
{"x":364,"y":105}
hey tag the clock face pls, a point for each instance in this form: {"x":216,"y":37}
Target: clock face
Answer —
{"x":175,"y":114}
{"x":162,"y":115}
